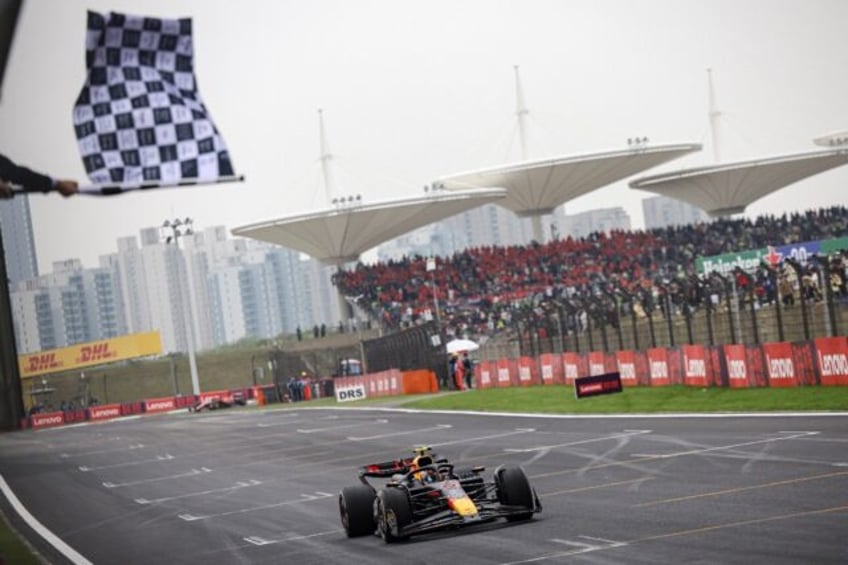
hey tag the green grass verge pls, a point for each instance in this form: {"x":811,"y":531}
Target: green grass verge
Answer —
{"x":12,"y":549}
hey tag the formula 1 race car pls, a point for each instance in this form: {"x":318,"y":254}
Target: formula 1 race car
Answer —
{"x":425,"y":493}
{"x":222,"y":401}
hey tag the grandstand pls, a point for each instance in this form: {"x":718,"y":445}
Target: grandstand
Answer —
{"x":489,"y":292}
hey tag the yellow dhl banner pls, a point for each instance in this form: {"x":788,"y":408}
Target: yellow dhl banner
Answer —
{"x":88,"y":354}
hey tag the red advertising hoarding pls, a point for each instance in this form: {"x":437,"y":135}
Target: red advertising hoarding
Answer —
{"x":780,"y":367}
{"x":104,"y":412}
{"x":832,"y":360}
{"x":658,"y":366}
{"x":596,"y":363}
{"x":626,"y":361}
{"x":551,"y":368}
{"x":737,"y":366}
{"x":694,"y":365}
{"x":571,"y":366}
{"x":504,"y":376}
{"x":526,"y":368}
{"x":47,"y":419}
{"x":160,"y":405}
{"x":488,"y":370}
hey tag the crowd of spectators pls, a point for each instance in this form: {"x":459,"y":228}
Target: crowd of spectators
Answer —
{"x":482,"y":291}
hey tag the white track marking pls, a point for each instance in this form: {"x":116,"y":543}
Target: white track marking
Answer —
{"x":48,"y":536}
{"x":493,"y":436}
{"x":191,"y":473}
{"x":580,"y":547}
{"x":157,"y":459}
{"x":341,"y":427}
{"x":98,"y":452}
{"x":793,"y":435}
{"x":304,"y":498}
{"x":237,"y":486}
{"x":276,"y":424}
{"x":591,"y":544}
{"x":256,"y":540}
{"x":439,"y":427}
{"x":580,"y":442}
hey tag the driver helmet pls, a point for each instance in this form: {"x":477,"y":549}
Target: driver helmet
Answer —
{"x":428,"y":476}
{"x":418,"y":463}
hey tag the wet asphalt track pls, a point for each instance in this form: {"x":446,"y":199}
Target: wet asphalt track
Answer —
{"x":248,"y":486}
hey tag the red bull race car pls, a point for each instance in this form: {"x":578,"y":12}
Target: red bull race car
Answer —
{"x":425,"y":493}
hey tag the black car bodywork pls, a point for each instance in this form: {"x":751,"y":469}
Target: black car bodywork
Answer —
{"x":426,"y":493}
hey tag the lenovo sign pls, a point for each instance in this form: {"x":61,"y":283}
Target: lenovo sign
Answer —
{"x":779,"y":364}
{"x":597,"y":384}
{"x":47,"y":419}
{"x":832,"y":358}
{"x":160,"y":405}
{"x":104,"y":412}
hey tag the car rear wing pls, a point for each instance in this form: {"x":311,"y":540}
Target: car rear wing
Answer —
{"x":386,"y":468}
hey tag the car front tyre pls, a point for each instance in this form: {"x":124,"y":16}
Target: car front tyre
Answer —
{"x":356,"y":510}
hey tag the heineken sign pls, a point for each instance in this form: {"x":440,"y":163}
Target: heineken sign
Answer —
{"x":773,"y":255}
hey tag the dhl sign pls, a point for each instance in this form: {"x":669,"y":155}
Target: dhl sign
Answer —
{"x":88,"y":354}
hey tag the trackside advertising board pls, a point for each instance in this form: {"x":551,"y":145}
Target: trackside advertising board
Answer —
{"x":105,"y":412}
{"x":89,"y":354}
{"x":750,"y":260}
{"x":594,"y":385}
{"x":780,"y":366}
{"x":832,"y":359}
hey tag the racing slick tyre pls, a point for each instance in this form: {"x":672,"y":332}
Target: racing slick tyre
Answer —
{"x":356,"y":509}
{"x":514,"y":490}
{"x":393,"y":512}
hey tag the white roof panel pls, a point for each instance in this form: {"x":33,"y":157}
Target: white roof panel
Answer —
{"x":537,"y":187}
{"x":341,"y":234}
{"x":726,"y":189}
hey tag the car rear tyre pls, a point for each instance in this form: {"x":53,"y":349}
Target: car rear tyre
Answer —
{"x":514,"y":490}
{"x":356,"y":510}
{"x":393,"y":514}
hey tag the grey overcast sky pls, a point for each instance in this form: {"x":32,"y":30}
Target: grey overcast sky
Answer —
{"x":415,"y":90}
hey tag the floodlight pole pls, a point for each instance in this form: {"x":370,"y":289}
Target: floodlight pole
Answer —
{"x":180,"y":228}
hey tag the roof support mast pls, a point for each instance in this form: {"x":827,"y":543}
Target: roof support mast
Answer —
{"x":521,"y":112}
{"x":326,"y":157}
{"x":714,"y":114}
{"x":345,"y":310}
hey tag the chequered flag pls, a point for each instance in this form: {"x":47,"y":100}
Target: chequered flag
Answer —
{"x":139,"y":119}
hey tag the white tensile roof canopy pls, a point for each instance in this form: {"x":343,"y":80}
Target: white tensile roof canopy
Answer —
{"x":341,"y":234}
{"x":537,"y":187}
{"x":727,"y":189}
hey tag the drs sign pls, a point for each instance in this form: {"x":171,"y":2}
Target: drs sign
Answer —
{"x":355,"y":392}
